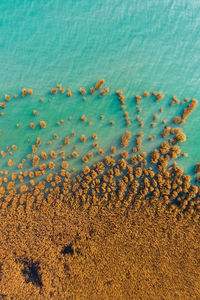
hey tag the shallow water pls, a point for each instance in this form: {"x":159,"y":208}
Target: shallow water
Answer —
{"x":134,"y":46}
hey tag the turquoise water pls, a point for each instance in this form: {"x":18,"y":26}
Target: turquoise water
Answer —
{"x":134,"y":45}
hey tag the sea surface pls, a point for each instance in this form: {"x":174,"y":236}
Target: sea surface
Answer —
{"x":135,"y":46}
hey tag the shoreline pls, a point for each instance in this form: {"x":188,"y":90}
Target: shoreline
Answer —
{"x":126,"y":226}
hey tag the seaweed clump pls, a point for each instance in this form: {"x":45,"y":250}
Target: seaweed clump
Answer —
{"x":104,"y":92}
{"x":121,"y":97}
{"x":197,"y":169}
{"x":180,"y":137}
{"x":99,"y":84}
{"x":125,"y":139}
{"x":42,"y":124}
{"x":69,"y":93}
{"x":82,"y":91}
{"x":186,"y":112}
{"x":54,"y":91}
